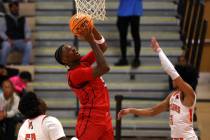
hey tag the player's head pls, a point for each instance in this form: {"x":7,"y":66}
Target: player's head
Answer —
{"x":191,"y":77}
{"x":67,"y":55}
{"x":31,"y":106}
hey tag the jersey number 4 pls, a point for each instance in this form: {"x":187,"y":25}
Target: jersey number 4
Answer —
{"x":30,"y":136}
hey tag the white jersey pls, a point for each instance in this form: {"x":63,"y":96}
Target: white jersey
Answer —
{"x":41,"y":128}
{"x":181,"y":119}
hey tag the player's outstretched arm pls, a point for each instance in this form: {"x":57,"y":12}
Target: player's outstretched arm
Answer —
{"x":102,"y":66}
{"x":155,"y":110}
{"x":189,"y":95}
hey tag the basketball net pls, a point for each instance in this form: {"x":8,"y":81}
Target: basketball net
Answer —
{"x":94,"y":8}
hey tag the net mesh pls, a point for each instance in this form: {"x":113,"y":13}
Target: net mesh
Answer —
{"x":94,"y":8}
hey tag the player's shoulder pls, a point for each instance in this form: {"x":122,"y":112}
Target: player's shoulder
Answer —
{"x":50,"y":120}
{"x":51,"y":124}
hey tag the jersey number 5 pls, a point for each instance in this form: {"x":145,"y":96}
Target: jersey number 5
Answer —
{"x":30,"y":136}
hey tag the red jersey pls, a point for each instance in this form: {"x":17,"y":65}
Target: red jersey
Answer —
{"x":91,"y":92}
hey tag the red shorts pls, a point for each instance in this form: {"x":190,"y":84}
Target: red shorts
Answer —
{"x":87,"y":129}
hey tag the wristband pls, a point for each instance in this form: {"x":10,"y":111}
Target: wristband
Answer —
{"x":101,"y":41}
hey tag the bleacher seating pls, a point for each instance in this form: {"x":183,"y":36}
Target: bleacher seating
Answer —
{"x":28,"y":10}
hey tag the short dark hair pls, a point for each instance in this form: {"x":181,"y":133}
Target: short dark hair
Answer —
{"x":16,"y":3}
{"x":25,"y":75}
{"x":29,"y":105}
{"x":189,"y":74}
{"x":58,"y":54}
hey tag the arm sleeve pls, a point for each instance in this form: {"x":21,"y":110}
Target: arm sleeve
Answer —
{"x":167,"y":65}
{"x":53,"y":127}
{"x":90,"y":58}
{"x":14,"y":109}
{"x":81,"y":75}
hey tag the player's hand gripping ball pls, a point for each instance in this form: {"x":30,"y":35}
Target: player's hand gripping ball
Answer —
{"x":80,"y":24}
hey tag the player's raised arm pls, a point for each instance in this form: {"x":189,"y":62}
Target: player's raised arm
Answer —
{"x":101,"y":65}
{"x":189,"y":95}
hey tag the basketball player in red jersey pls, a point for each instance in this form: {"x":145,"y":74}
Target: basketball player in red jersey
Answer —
{"x":94,"y":119}
{"x":180,"y":103}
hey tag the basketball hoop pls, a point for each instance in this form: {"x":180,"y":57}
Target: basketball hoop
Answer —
{"x":94,"y":8}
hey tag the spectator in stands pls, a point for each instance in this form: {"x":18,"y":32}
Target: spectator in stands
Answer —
{"x":129,"y":12}
{"x":20,"y":82}
{"x":8,"y":110}
{"x":43,"y":127}
{"x":17,"y":35}
{"x":6,"y":72}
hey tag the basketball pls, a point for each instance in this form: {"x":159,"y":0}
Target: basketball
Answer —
{"x":80,"y":23}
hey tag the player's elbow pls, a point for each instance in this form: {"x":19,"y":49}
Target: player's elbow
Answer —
{"x":105,"y":69}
